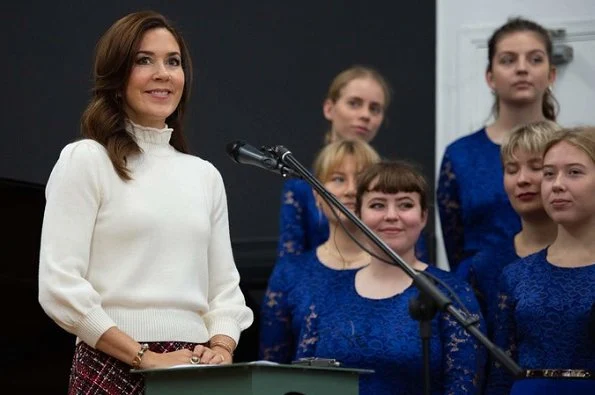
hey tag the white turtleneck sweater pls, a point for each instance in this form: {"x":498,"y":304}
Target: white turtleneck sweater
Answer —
{"x":151,"y":256}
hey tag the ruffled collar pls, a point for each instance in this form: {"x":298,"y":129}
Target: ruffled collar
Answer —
{"x":150,"y":139}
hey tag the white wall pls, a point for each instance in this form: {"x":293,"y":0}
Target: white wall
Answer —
{"x":463,"y":100}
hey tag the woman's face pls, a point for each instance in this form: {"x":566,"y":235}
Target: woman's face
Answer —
{"x":397,"y":219}
{"x":522,"y":182}
{"x":568,"y":185}
{"x":156,"y":82}
{"x":341,"y":183}
{"x":521,"y":71}
{"x":358,"y":112}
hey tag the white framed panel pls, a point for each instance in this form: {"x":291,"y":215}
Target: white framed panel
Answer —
{"x":463,"y":99}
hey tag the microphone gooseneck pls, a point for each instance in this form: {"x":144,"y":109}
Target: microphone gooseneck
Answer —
{"x":279,"y":159}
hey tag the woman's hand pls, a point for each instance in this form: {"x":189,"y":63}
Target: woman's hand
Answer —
{"x":201,"y":355}
{"x":214,"y":356}
{"x":166,"y":359}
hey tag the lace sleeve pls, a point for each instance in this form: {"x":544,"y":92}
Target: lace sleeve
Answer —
{"x":500,"y":380}
{"x":470,"y":276}
{"x":464,"y":357}
{"x":449,"y":208}
{"x":309,"y":334}
{"x":276,"y":338}
{"x":292,"y":225}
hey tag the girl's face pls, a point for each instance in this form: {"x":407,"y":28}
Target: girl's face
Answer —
{"x":358,"y":112}
{"x":156,"y":82}
{"x":522,"y":182}
{"x":568,"y":185}
{"x":521,"y":71}
{"x":397,"y":219}
{"x":342,"y":184}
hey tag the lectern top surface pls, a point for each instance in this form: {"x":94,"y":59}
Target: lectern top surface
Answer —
{"x":252,"y":365}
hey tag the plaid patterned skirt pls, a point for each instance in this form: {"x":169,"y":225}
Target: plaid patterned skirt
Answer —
{"x":94,"y":372}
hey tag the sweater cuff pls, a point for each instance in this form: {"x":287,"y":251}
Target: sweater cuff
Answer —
{"x":93,"y":325}
{"x":223,"y":326}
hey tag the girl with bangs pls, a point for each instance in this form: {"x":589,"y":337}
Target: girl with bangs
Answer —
{"x":365,"y":323}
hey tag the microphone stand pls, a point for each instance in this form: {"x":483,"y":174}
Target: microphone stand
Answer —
{"x":431,"y":298}
{"x":422,"y":308}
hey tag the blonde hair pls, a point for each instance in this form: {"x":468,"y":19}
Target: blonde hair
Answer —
{"x":332,"y":155}
{"x":532,"y":137}
{"x":582,"y":137}
{"x":353,"y":73}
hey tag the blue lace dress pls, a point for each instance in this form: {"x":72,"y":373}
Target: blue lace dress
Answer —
{"x":474,"y":210}
{"x":303,"y":227}
{"x":379,"y":334}
{"x":544,"y":319}
{"x":483,"y":271}
{"x":287,"y":303}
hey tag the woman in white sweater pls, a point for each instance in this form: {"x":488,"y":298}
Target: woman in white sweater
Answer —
{"x":136,"y":257}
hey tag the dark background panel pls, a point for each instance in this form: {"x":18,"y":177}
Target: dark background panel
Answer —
{"x":261,"y":69}
{"x":261,"y":72}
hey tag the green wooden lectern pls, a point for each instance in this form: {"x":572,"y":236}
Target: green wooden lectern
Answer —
{"x":251,"y":378}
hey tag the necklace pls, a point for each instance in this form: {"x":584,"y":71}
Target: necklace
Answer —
{"x":335,"y":253}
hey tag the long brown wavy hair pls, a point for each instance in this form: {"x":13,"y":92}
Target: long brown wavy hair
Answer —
{"x":104,"y":119}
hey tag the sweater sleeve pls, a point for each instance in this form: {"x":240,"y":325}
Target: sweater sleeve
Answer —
{"x":228,"y":313}
{"x":73,"y":197}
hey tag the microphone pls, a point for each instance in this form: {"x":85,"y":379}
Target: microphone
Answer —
{"x":241,"y":152}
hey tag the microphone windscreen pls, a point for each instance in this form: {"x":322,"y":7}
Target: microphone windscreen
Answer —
{"x":233,"y":147}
